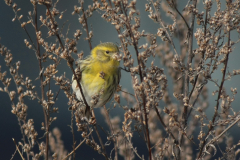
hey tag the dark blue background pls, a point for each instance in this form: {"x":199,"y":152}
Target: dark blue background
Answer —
{"x":12,"y":36}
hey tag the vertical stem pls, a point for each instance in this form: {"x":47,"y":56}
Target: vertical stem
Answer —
{"x":100,"y":140}
{"x":128,"y":25}
{"x":51,"y":18}
{"x":200,"y":65}
{"x":69,"y":59}
{"x":124,"y":51}
{"x":186,"y":80}
{"x":112,"y":132}
{"x":218,"y":99}
{"x":90,"y":46}
{"x":46,"y":115}
{"x":196,"y":78}
{"x":72,"y":117}
{"x":85,"y":19}
{"x":189,"y":60}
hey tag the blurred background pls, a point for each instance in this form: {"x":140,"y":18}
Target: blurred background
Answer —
{"x":12,"y":37}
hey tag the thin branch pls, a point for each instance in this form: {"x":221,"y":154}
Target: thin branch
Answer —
{"x":125,"y":53}
{"x":86,"y":27}
{"x":70,"y":60}
{"x":94,"y":124}
{"x":165,"y":127}
{"x":72,"y":130}
{"x":14,"y":154}
{"x":13,"y":104}
{"x":112,"y":132}
{"x":128,"y":25}
{"x":186,"y":81}
{"x":18,"y":149}
{"x":100,"y":140}
{"x":127,"y":93}
{"x":99,"y":137}
{"x":55,"y":27}
{"x":202,"y":56}
{"x":199,"y":91}
{"x":163,"y":26}
{"x":134,"y":150}
{"x":55,"y":98}
{"x":70,"y":64}
{"x":220,"y":135}
{"x":24,"y":28}
{"x":125,"y":69}
{"x":77,"y":146}
{"x":175,"y":7}
{"x":218,"y":99}
{"x":46,"y":113}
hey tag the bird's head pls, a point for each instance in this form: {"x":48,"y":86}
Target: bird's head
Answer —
{"x":105,"y":52}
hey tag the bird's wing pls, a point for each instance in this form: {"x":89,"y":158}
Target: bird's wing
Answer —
{"x":84,"y":64}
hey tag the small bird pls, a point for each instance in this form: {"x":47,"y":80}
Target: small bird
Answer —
{"x":100,"y":76}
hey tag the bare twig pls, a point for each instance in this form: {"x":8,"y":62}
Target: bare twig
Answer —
{"x":175,"y":7}
{"x":127,"y":93}
{"x":125,"y":53}
{"x":45,"y":111}
{"x":202,"y":56}
{"x":218,"y":100}
{"x":86,"y":27}
{"x":56,"y":96}
{"x":14,"y":154}
{"x":225,"y":130}
{"x":18,"y":149}
{"x":77,"y":146}
{"x":55,"y":27}
{"x":112,"y":132}
{"x":134,"y":150}
{"x":70,"y":61}
{"x":141,"y":78}
{"x":164,"y":27}
{"x":165,"y":127}
{"x":72,"y":130}
{"x":90,"y":46}
{"x":100,"y":140}
{"x":186,"y":80}
{"x":24,"y":28}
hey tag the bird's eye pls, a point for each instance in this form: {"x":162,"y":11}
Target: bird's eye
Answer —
{"x":107,"y":52}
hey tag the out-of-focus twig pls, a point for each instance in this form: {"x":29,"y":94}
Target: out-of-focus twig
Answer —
{"x":77,"y":146}
{"x":72,"y":130}
{"x":45,"y":110}
{"x":186,"y":80}
{"x":18,"y":149}
{"x":175,"y":7}
{"x":164,"y":27}
{"x":128,"y":25}
{"x":112,"y":131}
{"x":218,"y":100}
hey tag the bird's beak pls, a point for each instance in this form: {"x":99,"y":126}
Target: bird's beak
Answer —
{"x":117,"y":57}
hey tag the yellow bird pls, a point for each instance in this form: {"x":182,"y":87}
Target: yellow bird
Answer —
{"x":100,"y":76}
